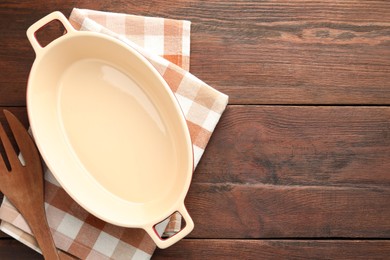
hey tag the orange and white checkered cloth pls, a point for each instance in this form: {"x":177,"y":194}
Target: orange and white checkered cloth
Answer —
{"x":166,"y":44}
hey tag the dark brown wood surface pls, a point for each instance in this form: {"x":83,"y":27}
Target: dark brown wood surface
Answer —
{"x":299,"y":165}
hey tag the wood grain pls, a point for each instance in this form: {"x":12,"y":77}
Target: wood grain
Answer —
{"x":287,"y":145}
{"x":268,"y":52}
{"x":11,"y":249}
{"x":275,"y":249}
{"x":243,"y":249}
{"x":267,"y":211}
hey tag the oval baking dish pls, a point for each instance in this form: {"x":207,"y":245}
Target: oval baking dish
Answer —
{"x":110,"y":129}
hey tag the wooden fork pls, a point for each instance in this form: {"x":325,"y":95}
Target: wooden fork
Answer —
{"x":23,"y":185}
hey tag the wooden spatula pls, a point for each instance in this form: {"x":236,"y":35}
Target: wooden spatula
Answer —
{"x":23,"y":185}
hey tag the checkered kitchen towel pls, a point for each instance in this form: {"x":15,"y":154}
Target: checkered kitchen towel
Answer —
{"x":166,"y":44}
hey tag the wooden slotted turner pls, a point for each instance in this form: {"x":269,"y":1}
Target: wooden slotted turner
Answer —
{"x":23,"y":185}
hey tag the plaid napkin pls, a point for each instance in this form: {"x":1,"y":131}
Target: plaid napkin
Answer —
{"x":166,"y":44}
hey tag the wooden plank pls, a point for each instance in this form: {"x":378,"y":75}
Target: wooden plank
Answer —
{"x":313,"y":146}
{"x":275,"y":249}
{"x":244,"y":249}
{"x":268,"y":52}
{"x":267,"y":211}
{"x":295,"y":172}
{"x":2,"y":234}
{"x":11,"y":249}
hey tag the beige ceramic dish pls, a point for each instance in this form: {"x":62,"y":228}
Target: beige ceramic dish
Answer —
{"x":110,"y":129}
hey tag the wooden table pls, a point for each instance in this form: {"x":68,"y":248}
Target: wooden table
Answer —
{"x":299,"y":165}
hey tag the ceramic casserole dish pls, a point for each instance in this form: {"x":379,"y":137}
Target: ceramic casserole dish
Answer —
{"x":110,"y":129}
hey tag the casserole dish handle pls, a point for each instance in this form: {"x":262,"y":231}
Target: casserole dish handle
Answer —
{"x":31,"y":31}
{"x":166,"y":242}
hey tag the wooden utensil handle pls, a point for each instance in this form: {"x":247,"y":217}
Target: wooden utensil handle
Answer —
{"x":66,"y":256}
{"x":39,"y":227}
